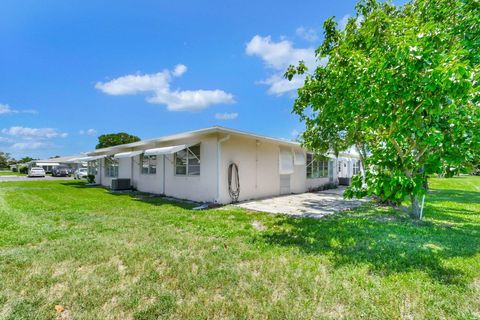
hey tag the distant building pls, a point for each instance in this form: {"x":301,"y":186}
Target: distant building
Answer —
{"x":49,"y":164}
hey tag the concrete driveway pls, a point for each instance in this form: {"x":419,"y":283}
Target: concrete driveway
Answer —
{"x":310,"y":204}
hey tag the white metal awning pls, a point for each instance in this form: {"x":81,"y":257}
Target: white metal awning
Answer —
{"x":165,"y":150}
{"x":91,"y":158}
{"x":47,"y":163}
{"x":285,"y":162}
{"x":299,"y":157}
{"x":127,"y":154}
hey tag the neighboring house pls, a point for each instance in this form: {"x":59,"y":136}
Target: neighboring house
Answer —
{"x":49,"y":164}
{"x":197,"y":165}
{"x":348,"y":165}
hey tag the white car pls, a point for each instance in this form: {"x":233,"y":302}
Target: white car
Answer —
{"x":36,"y":172}
{"x":80,"y":173}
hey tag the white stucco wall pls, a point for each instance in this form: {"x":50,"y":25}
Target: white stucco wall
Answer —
{"x":258,"y":163}
{"x":258,"y":166}
{"x":151,"y":183}
{"x":196,"y":188}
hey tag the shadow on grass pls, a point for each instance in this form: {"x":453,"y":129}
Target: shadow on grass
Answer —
{"x":149,"y":198}
{"x":78,"y":184}
{"x":453,"y":195}
{"x":387,"y":242}
{"x":157,"y":200}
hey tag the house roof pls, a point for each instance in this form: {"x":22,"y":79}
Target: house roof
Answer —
{"x":56,"y":160}
{"x":190,"y":134}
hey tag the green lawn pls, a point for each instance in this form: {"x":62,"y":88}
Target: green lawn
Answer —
{"x":11,"y":173}
{"x":116,"y":256}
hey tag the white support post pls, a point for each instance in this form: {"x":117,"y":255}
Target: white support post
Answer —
{"x":421,"y":209}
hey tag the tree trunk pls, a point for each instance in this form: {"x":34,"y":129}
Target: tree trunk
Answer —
{"x":415,"y":213}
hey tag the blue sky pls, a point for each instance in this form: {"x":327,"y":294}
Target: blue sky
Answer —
{"x":71,"y":70}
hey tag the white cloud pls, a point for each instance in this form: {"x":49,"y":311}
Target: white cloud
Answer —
{"x":88,"y":132}
{"x":342,"y":24}
{"x":5,"y":109}
{"x":5,"y":140}
{"x":226,"y":116}
{"x":24,"y":132}
{"x":309,"y":34}
{"x":279,"y":85}
{"x":30,"y":145}
{"x":179,"y":70}
{"x":159,"y":85}
{"x":277,"y":56}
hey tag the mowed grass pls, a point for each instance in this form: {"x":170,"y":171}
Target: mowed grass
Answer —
{"x":120,"y":256}
{"x":11,"y":173}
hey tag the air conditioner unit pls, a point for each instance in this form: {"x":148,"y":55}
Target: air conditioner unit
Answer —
{"x":121,"y":184}
{"x":344,"y":181}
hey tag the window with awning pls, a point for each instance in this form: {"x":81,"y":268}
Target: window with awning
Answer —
{"x":187,"y":161}
{"x":285,"y":162}
{"x":111,"y":167}
{"x":148,"y":164}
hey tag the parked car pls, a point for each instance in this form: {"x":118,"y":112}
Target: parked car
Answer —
{"x":36,"y":172}
{"x":61,"y":172}
{"x":80,"y":173}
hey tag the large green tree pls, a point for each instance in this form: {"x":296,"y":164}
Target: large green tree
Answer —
{"x":115,"y":139}
{"x":402,"y":85}
{"x":5,"y":159}
{"x":26,"y":159}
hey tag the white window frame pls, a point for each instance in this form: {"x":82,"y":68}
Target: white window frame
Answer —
{"x":151,"y":162}
{"x":111,"y":167}
{"x":187,"y":165}
{"x":92,"y":167}
{"x":321,"y":167}
{"x":356,"y":167}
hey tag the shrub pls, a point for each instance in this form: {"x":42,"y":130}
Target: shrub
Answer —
{"x":90,"y":178}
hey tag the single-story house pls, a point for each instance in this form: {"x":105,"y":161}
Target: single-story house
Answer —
{"x":65,"y":161}
{"x":348,"y":165}
{"x":214,"y":164}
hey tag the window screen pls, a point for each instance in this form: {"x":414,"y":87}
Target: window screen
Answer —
{"x":187,"y":161}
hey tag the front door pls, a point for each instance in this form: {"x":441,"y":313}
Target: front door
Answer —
{"x":342,"y":169}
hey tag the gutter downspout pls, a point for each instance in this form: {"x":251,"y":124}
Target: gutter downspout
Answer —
{"x":164,"y":193}
{"x":100,"y":166}
{"x":219,"y":151}
{"x":131,"y":171}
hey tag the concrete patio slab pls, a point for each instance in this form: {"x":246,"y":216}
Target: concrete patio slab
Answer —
{"x":310,"y":204}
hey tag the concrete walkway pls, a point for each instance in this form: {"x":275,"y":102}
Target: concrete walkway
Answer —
{"x":310,"y":204}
